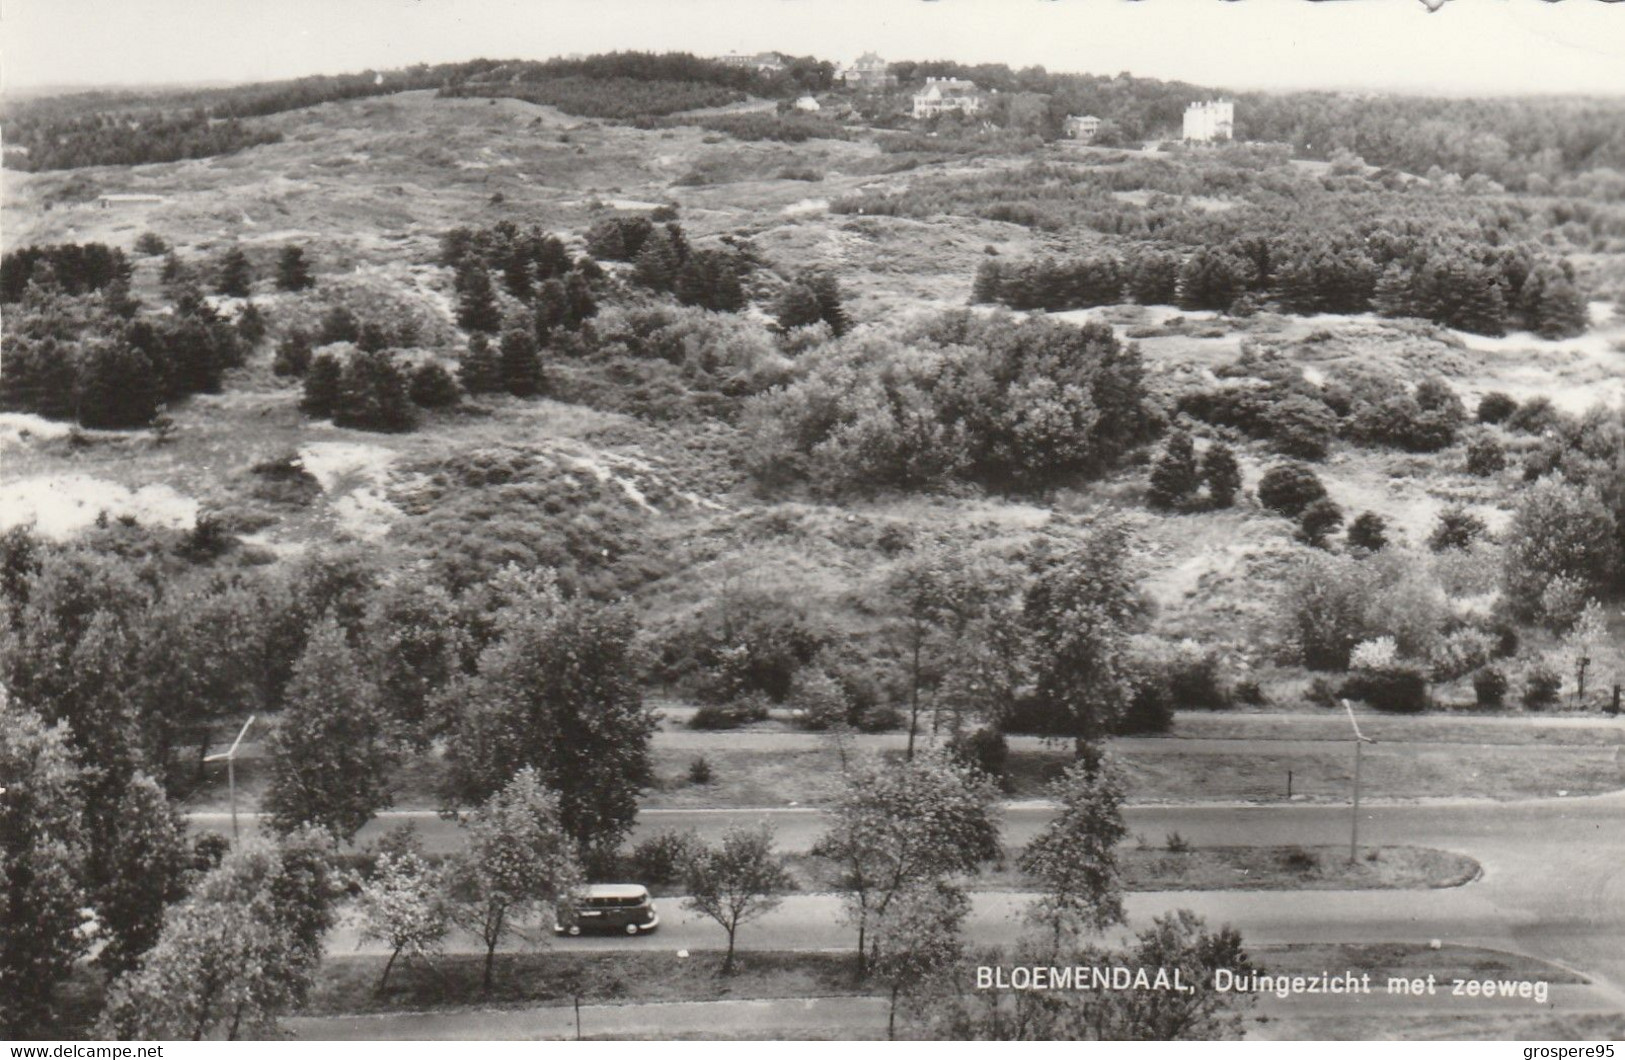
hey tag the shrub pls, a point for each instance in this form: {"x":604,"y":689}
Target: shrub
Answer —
{"x":699,"y":771}
{"x":1222,"y":473}
{"x":1196,"y":681}
{"x":1369,"y":531}
{"x":1177,"y":844}
{"x":1289,"y":489}
{"x":1297,"y":859}
{"x":433,"y":387}
{"x":1540,"y":686}
{"x":1490,"y":687}
{"x":1249,"y":692}
{"x":1174,"y":477}
{"x":1496,"y":407}
{"x":1459,"y":652}
{"x":1013,"y":403}
{"x":882,"y":717}
{"x":1150,"y":708}
{"x":1535,"y":416}
{"x":983,"y":750}
{"x":1457,"y":528}
{"x":1301,"y":426}
{"x":1321,"y":692}
{"x":322,"y":385}
{"x":1378,"y":653}
{"x":1399,"y":689}
{"x":661,"y":858}
{"x":292,"y":354}
{"x":1485,"y":457}
{"x":714,"y":717}
{"x":1319,"y":521}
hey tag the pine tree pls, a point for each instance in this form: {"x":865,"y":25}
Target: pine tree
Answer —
{"x":41,"y":821}
{"x":1174,"y":477}
{"x":322,"y":386}
{"x":521,"y":363}
{"x":373,"y":394}
{"x":476,"y":301}
{"x":657,"y":265}
{"x":174,"y":271}
{"x":552,"y":308}
{"x":432,"y":387}
{"x":516,"y":273}
{"x":985,"y":288}
{"x":148,"y":859}
{"x":292,"y":271}
{"x":236,"y":277}
{"x":1222,"y":474}
{"x":117,"y":385}
{"x":580,"y":305}
{"x":827,"y":291}
{"x":480,"y":370}
{"x":331,"y":753}
{"x":1153,"y":278}
{"x":1392,"y":297}
{"x":1561,"y":312}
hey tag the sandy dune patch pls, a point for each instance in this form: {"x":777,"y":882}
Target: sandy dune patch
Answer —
{"x":61,"y":505}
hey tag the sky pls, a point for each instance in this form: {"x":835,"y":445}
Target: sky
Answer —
{"x":1470,"y":47}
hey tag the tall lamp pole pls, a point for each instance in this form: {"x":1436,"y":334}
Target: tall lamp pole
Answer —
{"x":230,"y":756}
{"x":1360,"y":740}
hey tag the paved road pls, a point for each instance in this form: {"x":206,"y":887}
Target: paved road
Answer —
{"x":844,"y":1017}
{"x":1553,"y":883}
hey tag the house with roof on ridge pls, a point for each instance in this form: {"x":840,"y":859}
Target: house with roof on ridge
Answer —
{"x":943,"y":94}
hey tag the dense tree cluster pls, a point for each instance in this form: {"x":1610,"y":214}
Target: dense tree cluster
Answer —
{"x":367,"y":390}
{"x":1479,"y":289}
{"x":1010,"y":402}
{"x":633,"y":85}
{"x":96,"y":361}
{"x":1272,"y":401}
{"x":135,"y":127}
{"x":71,"y":268}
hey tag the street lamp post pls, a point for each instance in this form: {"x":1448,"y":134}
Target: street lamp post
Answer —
{"x":1360,"y":740}
{"x":230,"y":756}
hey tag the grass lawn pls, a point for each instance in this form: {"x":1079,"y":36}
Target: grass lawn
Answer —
{"x":1526,"y":1027}
{"x":348,"y":985}
{"x":1284,"y":868}
{"x":1223,"y":868}
{"x":807,"y":774}
{"x":1392,"y":771}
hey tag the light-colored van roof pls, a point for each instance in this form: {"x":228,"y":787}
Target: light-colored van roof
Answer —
{"x":615,"y":890}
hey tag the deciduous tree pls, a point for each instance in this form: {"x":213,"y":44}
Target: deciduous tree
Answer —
{"x":900,"y":825}
{"x":519,"y":861}
{"x":332,"y":750}
{"x":737,"y":881}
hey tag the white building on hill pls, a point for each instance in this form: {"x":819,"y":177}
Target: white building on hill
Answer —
{"x":1210,"y":120}
{"x":1081,"y":128}
{"x":943,"y":94}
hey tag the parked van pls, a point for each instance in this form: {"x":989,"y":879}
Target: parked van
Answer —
{"x":620,"y":907}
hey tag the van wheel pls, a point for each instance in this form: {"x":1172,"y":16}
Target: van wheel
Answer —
{"x":631,"y":929}
{"x":575,"y":929}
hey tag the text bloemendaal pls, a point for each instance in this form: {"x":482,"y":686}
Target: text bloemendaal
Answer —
{"x":1079,"y":977}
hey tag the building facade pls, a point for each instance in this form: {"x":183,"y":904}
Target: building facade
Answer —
{"x":1210,"y":120}
{"x":869,"y":73}
{"x":1082,"y":128}
{"x":761,"y":62}
{"x":943,"y":94}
